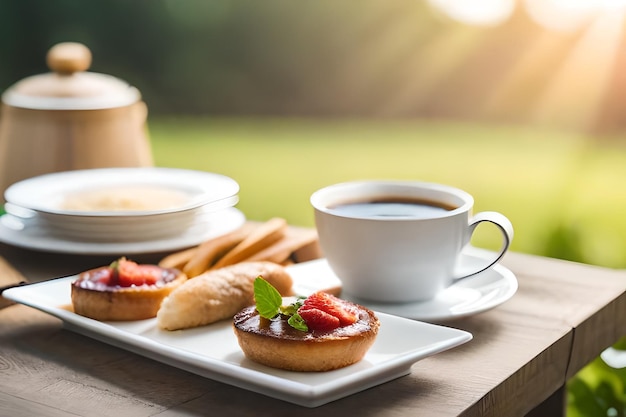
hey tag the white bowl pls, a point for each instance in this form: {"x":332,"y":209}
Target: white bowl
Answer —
{"x":128,"y":228}
{"x":122,"y":204}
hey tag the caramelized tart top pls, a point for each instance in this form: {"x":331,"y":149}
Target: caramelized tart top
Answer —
{"x":249,"y":320}
{"x":125,"y":274}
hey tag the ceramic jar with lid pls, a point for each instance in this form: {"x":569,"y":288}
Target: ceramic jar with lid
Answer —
{"x":70,"y":119}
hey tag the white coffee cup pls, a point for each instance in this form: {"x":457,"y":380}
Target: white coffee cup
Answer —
{"x":400,"y":241}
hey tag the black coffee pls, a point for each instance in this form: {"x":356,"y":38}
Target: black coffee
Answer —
{"x":393,"y":208}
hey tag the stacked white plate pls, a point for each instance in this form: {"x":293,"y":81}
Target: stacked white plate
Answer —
{"x":114,"y":206}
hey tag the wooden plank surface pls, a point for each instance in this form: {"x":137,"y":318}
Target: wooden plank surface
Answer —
{"x":563,"y":315}
{"x":589,"y":299}
{"x":8,"y":276}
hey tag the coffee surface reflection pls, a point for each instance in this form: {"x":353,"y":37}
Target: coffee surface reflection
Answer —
{"x":393,"y":208}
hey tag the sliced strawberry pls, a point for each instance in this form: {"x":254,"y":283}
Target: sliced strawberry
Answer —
{"x":331,"y":305}
{"x":100,"y":275}
{"x":130,"y":273}
{"x":319,"y":320}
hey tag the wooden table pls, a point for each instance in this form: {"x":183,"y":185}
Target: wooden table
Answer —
{"x":523,"y":352}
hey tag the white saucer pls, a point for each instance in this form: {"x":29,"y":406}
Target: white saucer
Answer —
{"x":21,"y":234}
{"x":467,"y":297}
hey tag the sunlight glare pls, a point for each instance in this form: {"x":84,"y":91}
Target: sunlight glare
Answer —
{"x":579,"y":86}
{"x":435,"y":66}
{"x":515,"y":91}
{"x":476,"y":12}
{"x":570,"y":15}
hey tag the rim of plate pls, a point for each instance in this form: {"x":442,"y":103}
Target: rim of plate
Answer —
{"x":45,"y":192}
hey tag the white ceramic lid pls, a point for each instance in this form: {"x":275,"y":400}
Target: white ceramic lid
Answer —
{"x":69,"y":86}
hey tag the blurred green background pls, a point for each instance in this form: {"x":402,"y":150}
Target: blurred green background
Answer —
{"x":519,"y":102}
{"x":496,"y":61}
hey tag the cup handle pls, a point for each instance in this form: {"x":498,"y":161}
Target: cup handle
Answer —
{"x":505,"y":226}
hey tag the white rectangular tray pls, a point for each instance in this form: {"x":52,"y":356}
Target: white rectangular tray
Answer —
{"x":213,"y":352}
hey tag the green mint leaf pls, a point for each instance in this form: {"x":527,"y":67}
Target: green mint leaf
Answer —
{"x":297,"y":322}
{"x":268,"y":299}
{"x":269,"y":303}
{"x":292,"y":308}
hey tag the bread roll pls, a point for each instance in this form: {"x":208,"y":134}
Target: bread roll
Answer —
{"x":218,"y":294}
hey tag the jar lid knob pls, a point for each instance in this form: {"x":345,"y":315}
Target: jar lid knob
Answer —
{"x":69,"y":86}
{"x":68,"y":57}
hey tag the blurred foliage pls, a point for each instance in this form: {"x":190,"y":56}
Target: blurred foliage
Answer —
{"x":354,"y":58}
{"x":195,"y":56}
{"x":598,"y":390}
{"x":564,"y":241}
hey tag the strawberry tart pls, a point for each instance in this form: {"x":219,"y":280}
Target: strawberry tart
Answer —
{"x":123,"y":290}
{"x":317,"y":333}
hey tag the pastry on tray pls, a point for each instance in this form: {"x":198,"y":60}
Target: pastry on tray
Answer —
{"x":123,"y":290}
{"x":271,"y":241}
{"x":218,"y":294}
{"x":317,"y":333}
